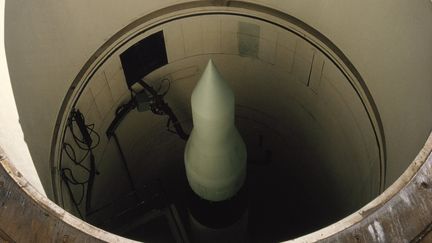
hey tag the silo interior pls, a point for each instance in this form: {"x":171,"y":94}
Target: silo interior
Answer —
{"x":314,"y":136}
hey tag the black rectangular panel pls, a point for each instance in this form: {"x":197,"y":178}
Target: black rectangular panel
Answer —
{"x":144,"y":57}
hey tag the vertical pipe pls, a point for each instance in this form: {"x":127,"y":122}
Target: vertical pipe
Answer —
{"x":123,"y":158}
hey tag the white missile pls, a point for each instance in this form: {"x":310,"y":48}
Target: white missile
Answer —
{"x":215,"y":154}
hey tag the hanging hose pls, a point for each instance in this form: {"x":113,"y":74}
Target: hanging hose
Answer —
{"x":87,"y":143}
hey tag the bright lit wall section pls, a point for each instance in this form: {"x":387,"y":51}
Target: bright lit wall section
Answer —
{"x":314,"y":144}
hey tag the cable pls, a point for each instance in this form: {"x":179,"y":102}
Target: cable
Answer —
{"x":78,"y":117}
{"x":159,"y":107}
{"x":70,"y":152}
{"x":160,"y":87}
{"x":75,"y":203}
{"x":89,"y":140}
{"x":71,"y":179}
{"x":90,"y":182}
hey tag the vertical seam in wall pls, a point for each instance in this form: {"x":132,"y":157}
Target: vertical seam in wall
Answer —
{"x":310,"y":70}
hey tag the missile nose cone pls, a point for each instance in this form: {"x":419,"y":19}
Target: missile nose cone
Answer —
{"x":212,"y":97}
{"x":215,"y":154}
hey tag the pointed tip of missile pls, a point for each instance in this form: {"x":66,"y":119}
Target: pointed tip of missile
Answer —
{"x":211,"y":75}
{"x":212,"y":96}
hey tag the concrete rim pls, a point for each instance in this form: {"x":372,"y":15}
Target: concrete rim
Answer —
{"x":420,"y":168}
{"x":422,"y":163}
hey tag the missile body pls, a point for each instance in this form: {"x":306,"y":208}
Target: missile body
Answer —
{"x":215,"y":154}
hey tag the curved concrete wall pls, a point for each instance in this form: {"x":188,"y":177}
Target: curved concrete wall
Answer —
{"x":46,"y":45}
{"x":27,"y":215}
{"x":11,"y":135}
{"x":309,"y":123}
{"x":382,"y":40}
{"x":389,"y":42}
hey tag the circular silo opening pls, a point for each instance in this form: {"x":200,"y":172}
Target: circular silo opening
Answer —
{"x":313,"y":137}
